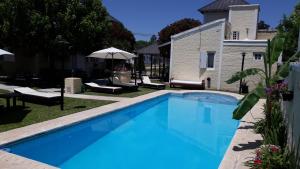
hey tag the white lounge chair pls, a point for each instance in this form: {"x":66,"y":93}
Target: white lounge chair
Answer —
{"x":103,"y":88}
{"x":147,"y":83}
{"x":186,"y":83}
{"x":127,"y":86}
{"x":31,"y":95}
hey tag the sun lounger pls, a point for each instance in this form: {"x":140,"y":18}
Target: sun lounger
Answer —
{"x":188,"y":84}
{"x":147,"y":83}
{"x":102,"y":88}
{"x":31,"y":95}
{"x":126,"y":86}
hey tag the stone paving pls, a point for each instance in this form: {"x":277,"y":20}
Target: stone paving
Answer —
{"x":237,"y":152}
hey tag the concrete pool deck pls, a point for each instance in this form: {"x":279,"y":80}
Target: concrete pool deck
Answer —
{"x":237,"y":152}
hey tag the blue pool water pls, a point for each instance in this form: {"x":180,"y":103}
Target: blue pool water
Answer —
{"x":187,"y":131}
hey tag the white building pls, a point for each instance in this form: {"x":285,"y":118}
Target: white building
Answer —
{"x":213,"y":51}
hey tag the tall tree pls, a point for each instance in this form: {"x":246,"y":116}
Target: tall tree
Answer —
{"x":262,"y":25}
{"x":289,"y":29}
{"x":177,"y":27}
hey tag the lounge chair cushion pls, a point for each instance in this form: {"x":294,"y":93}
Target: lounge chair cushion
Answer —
{"x":186,"y":82}
{"x":95,"y":85}
{"x":146,"y":80}
{"x":32,"y":92}
{"x":116,"y":81}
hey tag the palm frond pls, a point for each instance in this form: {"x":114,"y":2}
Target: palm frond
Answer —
{"x":242,"y":74}
{"x":248,"y":102}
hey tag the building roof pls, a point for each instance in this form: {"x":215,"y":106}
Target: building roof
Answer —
{"x":149,"y":50}
{"x":221,"y":5}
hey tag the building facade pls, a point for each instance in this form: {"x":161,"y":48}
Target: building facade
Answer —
{"x":213,"y":51}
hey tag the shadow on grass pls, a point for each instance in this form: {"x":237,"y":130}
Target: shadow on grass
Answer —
{"x":13,"y":115}
{"x":79,"y":107}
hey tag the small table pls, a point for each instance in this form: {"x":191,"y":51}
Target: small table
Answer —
{"x":14,"y":96}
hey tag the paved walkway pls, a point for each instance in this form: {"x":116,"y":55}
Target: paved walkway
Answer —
{"x":93,"y":97}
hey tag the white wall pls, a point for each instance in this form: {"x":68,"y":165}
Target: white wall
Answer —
{"x":185,"y":52}
{"x":232,"y":62}
{"x":292,"y":108}
{"x":242,"y":17}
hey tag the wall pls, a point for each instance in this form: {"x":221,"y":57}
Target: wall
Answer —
{"x":185,"y":52}
{"x":212,"y":16}
{"x":232,"y":61}
{"x":265,"y":34}
{"x":291,"y":108}
{"x":242,"y":17}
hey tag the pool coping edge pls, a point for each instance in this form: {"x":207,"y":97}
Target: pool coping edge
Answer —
{"x":17,"y":162}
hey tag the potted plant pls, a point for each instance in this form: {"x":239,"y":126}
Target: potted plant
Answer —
{"x":286,"y":95}
{"x":244,"y":87}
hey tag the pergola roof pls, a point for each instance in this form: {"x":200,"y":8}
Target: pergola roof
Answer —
{"x":221,"y":5}
{"x":149,"y":50}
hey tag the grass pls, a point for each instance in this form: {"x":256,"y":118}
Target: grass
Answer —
{"x":141,"y":91}
{"x":34,"y":113}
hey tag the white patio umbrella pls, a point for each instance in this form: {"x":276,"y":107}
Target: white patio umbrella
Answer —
{"x":112,"y":53}
{"x":7,"y":56}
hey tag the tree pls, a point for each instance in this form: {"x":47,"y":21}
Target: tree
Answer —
{"x":120,"y":37}
{"x":177,"y":27}
{"x":153,"y":39}
{"x":141,"y":43}
{"x":262,"y":25}
{"x":289,"y":28}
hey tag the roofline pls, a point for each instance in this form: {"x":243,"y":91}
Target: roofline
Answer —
{"x":250,"y":5}
{"x":197,"y":28}
{"x":164,"y":44}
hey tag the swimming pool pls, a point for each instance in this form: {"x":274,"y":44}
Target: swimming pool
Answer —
{"x":181,"y":131}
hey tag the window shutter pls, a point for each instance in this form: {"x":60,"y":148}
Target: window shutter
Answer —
{"x":203,"y":60}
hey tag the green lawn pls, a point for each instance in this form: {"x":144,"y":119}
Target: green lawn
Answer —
{"x":141,"y":91}
{"x":34,"y":113}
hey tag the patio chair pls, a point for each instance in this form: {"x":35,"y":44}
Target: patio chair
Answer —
{"x":34,"y":96}
{"x":101,"y":88}
{"x":147,"y":83}
{"x":126,"y":86}
{"x":187,"y":84}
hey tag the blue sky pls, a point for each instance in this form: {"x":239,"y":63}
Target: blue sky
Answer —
{"x":150,"y":16}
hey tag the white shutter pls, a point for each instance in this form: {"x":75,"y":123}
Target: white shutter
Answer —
{"x":203,"y":60}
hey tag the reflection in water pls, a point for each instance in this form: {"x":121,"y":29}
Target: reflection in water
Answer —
{"x":207,"y":115}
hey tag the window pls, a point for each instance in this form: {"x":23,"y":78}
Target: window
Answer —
{"x":210,"y":59}
{"x":258,"y":55}
{"x":236,"y":35}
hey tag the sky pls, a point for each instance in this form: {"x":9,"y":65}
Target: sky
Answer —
{"x":147,"y":17}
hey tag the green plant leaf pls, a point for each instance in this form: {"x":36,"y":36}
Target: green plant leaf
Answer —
{"x":242,"y":74}
{"x":277,"y":45}
{"x":248,"y":102}
{"x":283,"y":71}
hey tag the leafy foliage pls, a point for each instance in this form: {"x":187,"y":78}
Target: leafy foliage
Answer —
{"x":248,"y":102}
{"x":262,"y":25}
{"x":289,"y":29}
{"x":177,"y":27}
{"x":37,"y":27}
{"x":242,"y":74}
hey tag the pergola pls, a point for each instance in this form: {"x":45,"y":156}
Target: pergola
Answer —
{"x":154,"y":52}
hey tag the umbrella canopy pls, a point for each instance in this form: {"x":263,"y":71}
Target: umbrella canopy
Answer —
{"x":6,"y":56}
{"x":112,"y":53}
